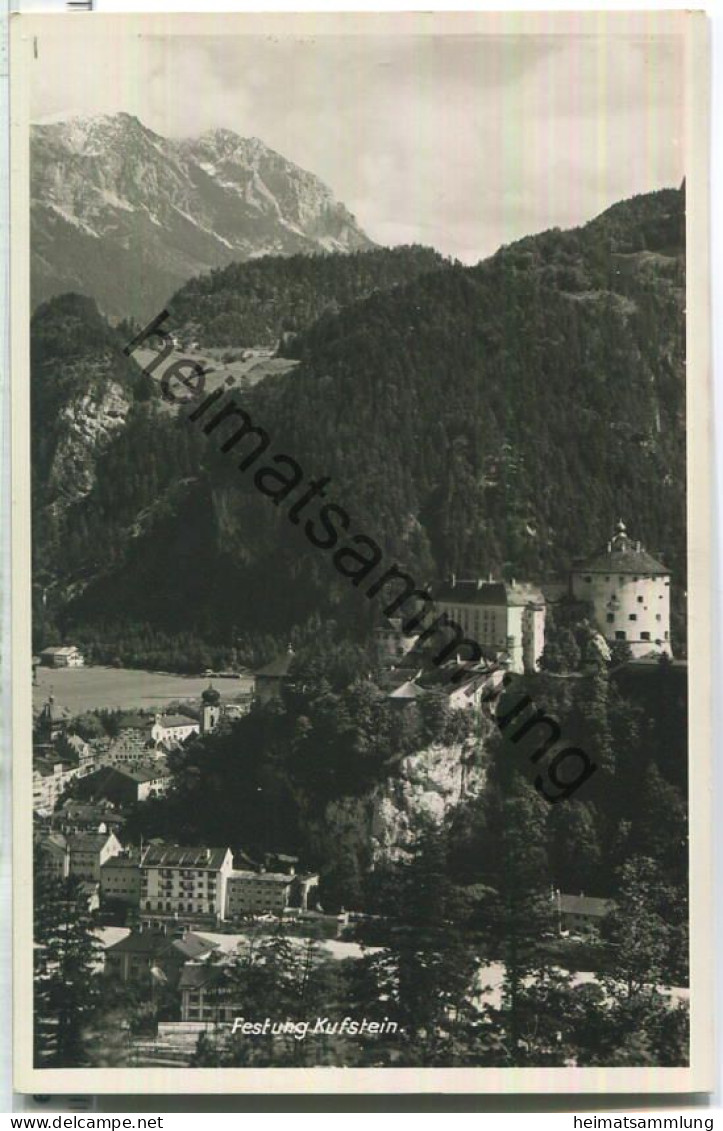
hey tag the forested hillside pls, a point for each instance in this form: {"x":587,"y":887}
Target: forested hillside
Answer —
{"x":497,"y":418}
{"x":259,"y":302}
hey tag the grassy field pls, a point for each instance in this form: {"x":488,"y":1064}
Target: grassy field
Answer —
{"x":241,"y":374}
{"x":83,"y":689}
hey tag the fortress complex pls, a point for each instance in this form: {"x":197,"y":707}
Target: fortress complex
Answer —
{"x":629,"y":592}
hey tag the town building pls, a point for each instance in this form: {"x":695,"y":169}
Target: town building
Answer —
{"x":131,"y":724}
{"x":77,"y":816}
{"x":128,"y":750}
{"x":170,"y":730}
{"x":178,"y":881}
{"x":392,"y":641}
{"x":153,"y":956}
{"x":477,"y":684}
{"x":66,"y":656}
{"x":89,"y":851}
{"x":51,"y":777}
{"x":78,"y":748}
{"x":205,"y":995}
{"x":123,"y":785}
{"x":580,"y":914}
{"x":52,"y":720}
{"x":152,"y":779}
{"x":272,"y":679}
{"x":88,"y":895}
{"x":257,"y":893}
{"x":505,"y":618}
{"x":55,"y":855}
{"x":239,"y":708}
{"x":120,"y":878}
{"x":629,"y":592}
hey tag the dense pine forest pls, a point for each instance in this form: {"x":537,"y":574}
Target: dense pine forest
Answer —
{"x":490,"y":419}
{"x":269,"y":300}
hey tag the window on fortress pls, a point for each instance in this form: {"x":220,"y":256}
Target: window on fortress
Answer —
{"x":610,"y":618}
{"x":633,"y":616}
{"x":640,"y":600}
{"x":620,"y":635}
{"x":658,"y":616}
{"x":645,"y":636}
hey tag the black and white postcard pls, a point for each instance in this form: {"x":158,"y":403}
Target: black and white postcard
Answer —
{"x":361,"y":519}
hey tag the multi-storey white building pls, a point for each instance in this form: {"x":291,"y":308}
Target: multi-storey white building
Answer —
{"x":88,"y":852}
{"x":185,"y":881}
{"x":51,"y":777}
{"x":629,"y":592}
{"x":170,"y":729}
{"x":501,"y":616}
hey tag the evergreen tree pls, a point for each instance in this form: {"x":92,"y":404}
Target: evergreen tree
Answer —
{"x":66,"y":979}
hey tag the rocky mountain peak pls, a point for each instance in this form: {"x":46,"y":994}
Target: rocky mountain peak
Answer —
{"x":107,"y":189}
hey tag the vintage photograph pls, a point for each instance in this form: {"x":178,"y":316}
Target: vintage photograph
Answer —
{"x":358,"y":400}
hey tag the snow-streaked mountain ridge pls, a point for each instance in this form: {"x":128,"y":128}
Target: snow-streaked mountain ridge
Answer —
{"x":125,"y":215}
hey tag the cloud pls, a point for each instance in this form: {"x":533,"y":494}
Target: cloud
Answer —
{"x":463,"y":142}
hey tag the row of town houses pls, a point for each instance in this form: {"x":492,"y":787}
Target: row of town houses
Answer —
{"x":126,"y":769}
{"x":168,"y":884}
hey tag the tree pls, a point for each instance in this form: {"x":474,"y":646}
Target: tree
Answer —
{"x":66,"y":979}
{"x":635,"y":932}
{"x":522,"y":916}
{"x":425,"y":977}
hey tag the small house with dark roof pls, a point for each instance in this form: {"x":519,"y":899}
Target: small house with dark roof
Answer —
{"x":74,"y":816}
{"x":125,"y":785}
{"x":581,"y":914}
{"x":392,"y":640}
{"x":62,"y":656}
{"x":629,"y":593}
{"x":154,"y":955}
{"x":271,"y":679}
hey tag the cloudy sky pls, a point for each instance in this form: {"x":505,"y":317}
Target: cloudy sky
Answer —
{"x":461,"y":141}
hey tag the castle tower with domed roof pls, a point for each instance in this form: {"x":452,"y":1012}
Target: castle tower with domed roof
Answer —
{"x":629,"y":592}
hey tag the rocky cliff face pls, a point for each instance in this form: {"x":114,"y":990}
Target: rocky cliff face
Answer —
{"x":125,"y":215}
{"x":385,"y":825}
{"x":86,"y":426}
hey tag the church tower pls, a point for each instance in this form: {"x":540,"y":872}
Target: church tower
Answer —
{"x":210,"y":709}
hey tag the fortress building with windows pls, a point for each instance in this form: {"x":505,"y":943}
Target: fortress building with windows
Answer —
{"x":504,"y":617}
{"x":629,"y":592}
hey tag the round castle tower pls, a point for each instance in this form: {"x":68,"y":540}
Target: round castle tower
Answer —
{"x":629,"y":592}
